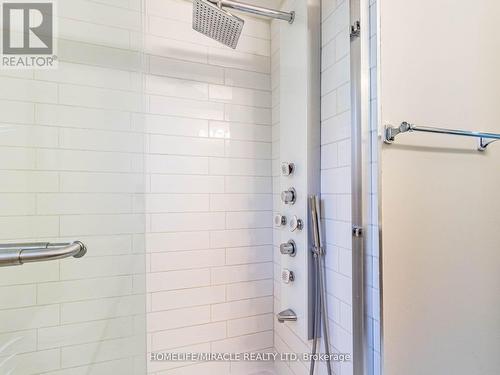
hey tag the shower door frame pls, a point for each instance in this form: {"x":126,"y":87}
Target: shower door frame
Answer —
{"x":360,"y":177}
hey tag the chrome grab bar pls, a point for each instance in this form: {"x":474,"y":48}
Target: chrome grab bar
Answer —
{"x":390,"y":133}
{"x":19,"y":253}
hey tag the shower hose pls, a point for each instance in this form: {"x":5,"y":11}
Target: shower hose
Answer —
{"x":320,"y":302}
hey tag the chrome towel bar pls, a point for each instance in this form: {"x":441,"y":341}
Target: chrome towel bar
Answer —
{"x":20,"y":253}
{"x":390,"y":133}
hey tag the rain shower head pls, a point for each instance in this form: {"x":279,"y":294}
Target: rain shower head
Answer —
{"x":216,"y":23}
{"x":211,"y":20}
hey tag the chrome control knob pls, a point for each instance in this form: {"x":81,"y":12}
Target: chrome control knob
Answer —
{"x":287,"y":276}
{"x":296,"y":224}
{"x":288,"y":248}
{"x":279,"y":220}
{"x":287,"y":168}
{"x":289,"y":196}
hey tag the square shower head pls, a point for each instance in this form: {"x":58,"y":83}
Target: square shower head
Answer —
{"x":216,"y":23}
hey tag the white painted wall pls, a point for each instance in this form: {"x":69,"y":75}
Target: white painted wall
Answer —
{"x":440,"y":207}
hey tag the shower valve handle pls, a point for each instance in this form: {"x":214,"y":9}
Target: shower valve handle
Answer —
{"x":289,"y":196}
{"x":288,"y":248}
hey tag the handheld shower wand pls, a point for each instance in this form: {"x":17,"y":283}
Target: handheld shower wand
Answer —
{"x":320,"y":310}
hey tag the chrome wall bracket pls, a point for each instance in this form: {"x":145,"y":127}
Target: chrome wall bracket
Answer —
{"x":482,"y":143}
{"x":357,"y":231}
{"x":484,"y":139}
{"x":390,"y":132}
{"x":355,"y":30}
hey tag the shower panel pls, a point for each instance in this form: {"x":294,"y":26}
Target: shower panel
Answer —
{"x":299,"y":159}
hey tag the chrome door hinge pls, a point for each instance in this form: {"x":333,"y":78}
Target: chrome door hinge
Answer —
{"x":357,"y":231}
{"x":355,"y":30}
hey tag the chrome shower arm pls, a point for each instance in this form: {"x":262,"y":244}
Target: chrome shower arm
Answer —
{"x":253,"y":9}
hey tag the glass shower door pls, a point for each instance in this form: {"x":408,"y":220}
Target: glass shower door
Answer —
{"x":71,"y":169}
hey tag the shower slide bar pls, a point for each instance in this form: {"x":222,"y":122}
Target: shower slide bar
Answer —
{"x":260,"y":11}
{"x":19,"y":253}
{"x":484,"y":139}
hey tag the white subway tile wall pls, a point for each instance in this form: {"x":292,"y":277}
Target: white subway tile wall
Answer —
{"x":336,"y":173}
{"x":72,"y":169}
{"x":208,"y":192}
